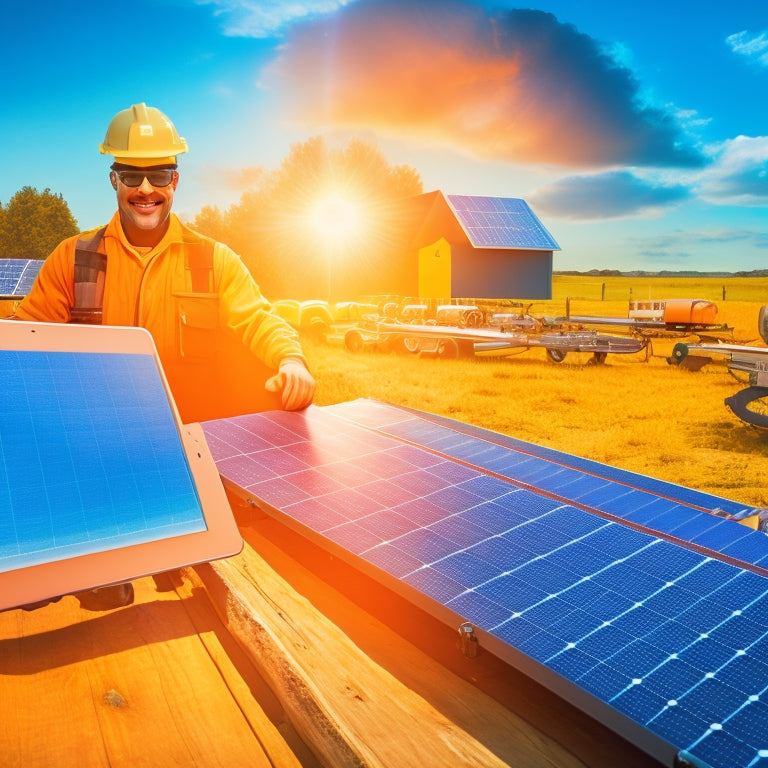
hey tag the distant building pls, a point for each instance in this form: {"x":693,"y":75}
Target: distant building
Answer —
{"x":451,"y":246}
{"x":481,"y":247}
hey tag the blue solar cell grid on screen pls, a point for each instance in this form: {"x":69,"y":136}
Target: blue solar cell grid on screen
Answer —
{"x":501,"y":222}
{"x":17,"y":276}
{"x":658,"y":634}
{"x":90,"y":457}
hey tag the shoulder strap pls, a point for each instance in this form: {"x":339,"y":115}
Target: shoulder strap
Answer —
{"x":90,"y":273}
{"x":199,"y":262}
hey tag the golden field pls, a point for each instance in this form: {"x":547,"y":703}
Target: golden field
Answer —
{"x":634,"y":411}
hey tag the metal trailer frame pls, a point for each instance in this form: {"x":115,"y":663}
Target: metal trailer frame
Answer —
{"x":450,"y":342}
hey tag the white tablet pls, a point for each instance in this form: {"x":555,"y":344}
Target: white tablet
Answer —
{"x":100,"y":482}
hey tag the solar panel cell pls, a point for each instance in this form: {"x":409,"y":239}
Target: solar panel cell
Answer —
{"x":678,"y":725}
{"x":638,"y":703}
{"x":356,"y":539}
{"x":430,"y":581}
{"x":745,"y":673}
{"x":391,"y":557}
{"x":720,"y":748}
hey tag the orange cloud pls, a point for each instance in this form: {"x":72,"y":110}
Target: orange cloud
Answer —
{"x":518,"y":87}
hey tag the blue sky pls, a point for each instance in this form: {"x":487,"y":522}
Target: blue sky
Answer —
{"x":638,"y":134}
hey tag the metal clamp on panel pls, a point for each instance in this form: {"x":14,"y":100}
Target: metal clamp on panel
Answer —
{"x":468,"y":643}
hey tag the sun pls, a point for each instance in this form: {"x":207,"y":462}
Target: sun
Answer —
{"x":336,"y":220}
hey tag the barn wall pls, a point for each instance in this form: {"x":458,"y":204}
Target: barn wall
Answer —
{"x":500,"y":274}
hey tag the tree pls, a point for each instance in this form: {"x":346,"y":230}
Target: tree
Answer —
{"x":291,"y":229}
{"x":33,"y":223}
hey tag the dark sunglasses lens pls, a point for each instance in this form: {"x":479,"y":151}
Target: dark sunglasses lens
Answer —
{"x":155,"y":178}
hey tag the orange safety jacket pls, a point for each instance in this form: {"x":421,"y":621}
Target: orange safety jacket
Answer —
{"x":217,"y":340}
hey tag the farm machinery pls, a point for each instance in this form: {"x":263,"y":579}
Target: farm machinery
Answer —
{"x":663,"y":318}
{"x":463,"y":330}
{"x":744,"y":361}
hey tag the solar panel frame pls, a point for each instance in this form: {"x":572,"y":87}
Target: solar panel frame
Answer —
{"x":626,"y":622}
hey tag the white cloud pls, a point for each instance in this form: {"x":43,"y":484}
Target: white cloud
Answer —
{"x":738,"y":174}
{"x":256,"y":18}
{"x":754,"y":48}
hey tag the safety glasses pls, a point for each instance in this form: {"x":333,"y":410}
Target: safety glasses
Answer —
{"x":160,"y":178}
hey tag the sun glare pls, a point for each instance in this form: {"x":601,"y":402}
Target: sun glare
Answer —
{"x":335,"y":220}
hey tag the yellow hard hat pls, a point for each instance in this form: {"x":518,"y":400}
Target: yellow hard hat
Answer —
{"x":142,"y":133}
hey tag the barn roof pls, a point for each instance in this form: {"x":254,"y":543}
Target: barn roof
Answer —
{"x":500,"y":222}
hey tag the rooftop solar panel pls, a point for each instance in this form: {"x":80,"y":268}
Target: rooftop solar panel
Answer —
{"x":99,"y":482}
{"x":500,"y":222}
{"x":663,"y":641}
{"x":17,"y":276}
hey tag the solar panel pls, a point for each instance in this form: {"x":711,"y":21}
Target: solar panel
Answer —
{"x":500,"y":222}
{"x":17,"y":276}
{"x":99,"y":482}
{"x":665,"y":642}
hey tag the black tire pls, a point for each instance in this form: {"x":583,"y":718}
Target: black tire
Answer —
{"x":447,"y":349}
{"x":556,"y":355}
{"x":679,"y":353}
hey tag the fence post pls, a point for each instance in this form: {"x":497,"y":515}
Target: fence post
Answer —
{"x":602,"y":292}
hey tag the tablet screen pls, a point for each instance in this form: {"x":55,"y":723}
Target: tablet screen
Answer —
{"x":94,"y":464}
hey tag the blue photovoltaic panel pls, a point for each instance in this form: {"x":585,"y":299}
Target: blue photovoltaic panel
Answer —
{"x":656,"y":634}
{"x":663,"y":507}
{"x":17,"y":276}
{"x":90,"y":457}
{"x":501,"y":222}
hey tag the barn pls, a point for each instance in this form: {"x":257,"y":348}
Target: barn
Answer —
{"x":481,"y":246}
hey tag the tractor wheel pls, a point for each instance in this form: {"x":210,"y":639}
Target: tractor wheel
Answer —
{"x":354,"y":341}
{"x":402,"y":345}
{"x":447,"y":349}
{"x":679,"y":353}
{"x":556,"y":355}
{"x":411,"y":344}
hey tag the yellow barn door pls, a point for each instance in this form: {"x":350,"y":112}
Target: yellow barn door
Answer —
{"x":435,"y":270}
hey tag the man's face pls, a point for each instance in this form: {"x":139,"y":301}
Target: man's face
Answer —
{"x":144,"y":209}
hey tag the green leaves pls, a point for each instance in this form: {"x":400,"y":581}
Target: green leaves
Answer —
{"x":33,"y":223}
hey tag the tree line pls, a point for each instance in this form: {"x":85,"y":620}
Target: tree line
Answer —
{"x":278,"y":227}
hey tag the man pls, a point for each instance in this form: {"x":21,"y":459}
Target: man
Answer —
{"x":222,"y":350}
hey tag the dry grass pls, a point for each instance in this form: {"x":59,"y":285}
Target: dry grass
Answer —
{"x":644,"y":416}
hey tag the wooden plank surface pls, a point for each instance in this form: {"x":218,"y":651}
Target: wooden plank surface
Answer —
{"x":152,"y":684}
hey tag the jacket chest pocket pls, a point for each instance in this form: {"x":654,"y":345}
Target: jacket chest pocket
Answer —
{"x":197,"y":321}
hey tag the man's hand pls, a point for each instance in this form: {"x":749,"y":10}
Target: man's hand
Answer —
{"x":295,"y":382}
